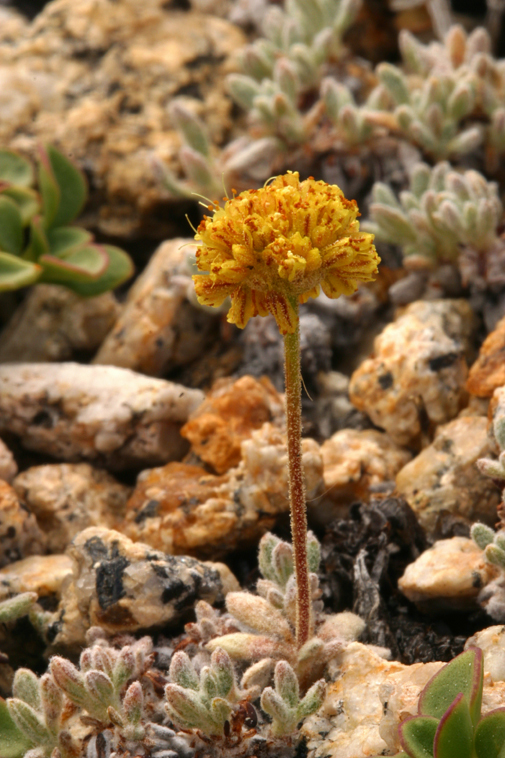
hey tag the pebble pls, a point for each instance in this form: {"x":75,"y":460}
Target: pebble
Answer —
{"x":230,"y":413}
{"x":95,"y":79}
{"x":8,"y":466}
{"x":492,"y":642}
{"x":363,"y":707}
{"x":100,"y":413}
{"x":488,"y":371}
{"x":450,"y":574}
{"x":182,"y":509}
{"x":444,"y":479}
{"x":415,"y":379}
{"x":125,"y":586}
{"x":20,"y":535}
{"x":53,"y":323}
{"x":43,"y":574}
{"x":160,"y":329}
{"x":68,"y":497}
{"x":354,"y":461}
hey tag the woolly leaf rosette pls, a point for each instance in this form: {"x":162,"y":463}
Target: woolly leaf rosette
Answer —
{"x":272,"y":248}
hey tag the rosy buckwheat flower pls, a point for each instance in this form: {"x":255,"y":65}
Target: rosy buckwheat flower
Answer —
{"x":272,"y":248}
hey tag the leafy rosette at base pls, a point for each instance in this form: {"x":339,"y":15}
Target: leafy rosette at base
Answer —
{"x":449,"y":723}
{"x":38,"y":242}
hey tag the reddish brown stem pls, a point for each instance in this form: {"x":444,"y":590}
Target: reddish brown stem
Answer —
{"x":297,"y":484}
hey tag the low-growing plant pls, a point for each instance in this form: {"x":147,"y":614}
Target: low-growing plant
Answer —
{"x":270,"y":250}
{"x":449,"y":723}
{"x":38,"y":242}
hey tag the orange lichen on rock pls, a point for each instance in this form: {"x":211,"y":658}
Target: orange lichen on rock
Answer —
{"x":488,"y":371}
{"x":229,"y":415}
{"x":270,"y":248}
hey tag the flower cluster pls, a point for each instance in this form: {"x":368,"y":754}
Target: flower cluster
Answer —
{"x":271,"y":248}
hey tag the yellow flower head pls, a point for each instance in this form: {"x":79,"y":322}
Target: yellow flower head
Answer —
{"x":270,"y":248}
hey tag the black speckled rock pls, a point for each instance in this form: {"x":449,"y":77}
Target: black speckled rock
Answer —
{"x":124,"y":586}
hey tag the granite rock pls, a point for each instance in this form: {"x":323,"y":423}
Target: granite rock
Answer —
{"x":353,"y":461}
{"x":53,"y":324}
{"x":99,"y":413}
{"x":182,"y":509}
{"x":124,"y":586}
{"x":95,"y":79}
{"x":450,"y":574}
{"x":69,"y":497}
{"x":20,"y":535}
{"x":492,"y":643}
{"x":43,"y":574}
{"x":364,"y":706}
{"x":415,"y":379}
{"x":8,"y":466}
{"x":160,"y":328}
{"x":488,"y":371}
{"x":444,"y":479}
{"x":229,"y":414}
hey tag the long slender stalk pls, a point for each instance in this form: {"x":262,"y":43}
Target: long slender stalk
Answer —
{"x":297,"y":483}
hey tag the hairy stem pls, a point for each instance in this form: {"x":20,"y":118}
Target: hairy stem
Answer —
{"x":297,"y":484}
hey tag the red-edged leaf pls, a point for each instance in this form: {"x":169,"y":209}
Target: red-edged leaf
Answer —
{"x":417,"y":734}
{"x":85,"y":264}
{"x":464,"y":674}
{"x":120,"y":269}
{"x":49,"y":189}
{"x":454,"y":735}
{"x":11,"y":226}
{"x":71,"y":184}
{"x":489,"y":740}
{"x":65,"y":239}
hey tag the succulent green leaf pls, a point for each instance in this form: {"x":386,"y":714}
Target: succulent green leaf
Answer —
{"x":273,"y":704}
{"x":489,"y":737}
{"x":313,"y":553}
{"x":11,"y":226}
{"x":191,"y":127}
{"x":61,"y":239}
{"x":463,"y":675}
{"x":394,"y":81}
{"x":417,"y":735}
{"x":120,"y":269}
{"x":38,"y":244}
{"x":16,"y":273}
{"x":72,"y":187}
{"x":454,"y":735}
{"x":49,"y":189}
{"x":84,"y":264}
{"x":26,"y":199}
{"x":15,"y":169}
